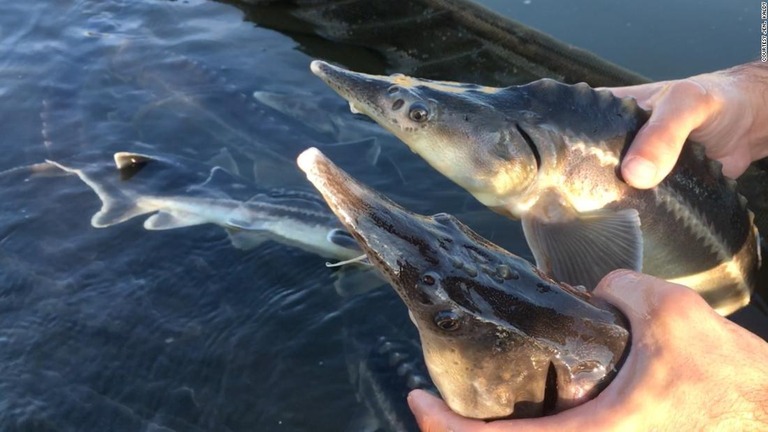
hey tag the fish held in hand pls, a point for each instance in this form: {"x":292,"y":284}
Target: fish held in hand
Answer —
{"x":548,"y":154}
{"x":500,"y":338}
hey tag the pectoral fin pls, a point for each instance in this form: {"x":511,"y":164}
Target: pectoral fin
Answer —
{"x":246,"y":235}
{"x":233,"y":224}
{"x":247,"y":239}
{"x":164,"y":221}
{"x":114,"y":211}
{"x":355,"y":280}
{"x":342,"y":238}
{"x":583,"y":250}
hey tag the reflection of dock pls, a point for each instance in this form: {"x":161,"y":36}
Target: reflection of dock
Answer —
{"x":446,"y":39}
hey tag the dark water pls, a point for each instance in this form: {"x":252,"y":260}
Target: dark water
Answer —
{"x":124,"y":329}
{"x":656,"y":38}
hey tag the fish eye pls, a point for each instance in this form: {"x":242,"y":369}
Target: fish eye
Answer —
{"x":447,"y":320}
{"x":442,"y":217}
{"x":430,"y":278}
{"x":418,"y":112}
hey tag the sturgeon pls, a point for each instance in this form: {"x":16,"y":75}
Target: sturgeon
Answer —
{"x":383,"y":372}
{"x":548,"y":153}
{"x":176,"y":193}
{"x":499,"y":337}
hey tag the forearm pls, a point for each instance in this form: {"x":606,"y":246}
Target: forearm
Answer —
{"x":750,"y":398}
{"x":743,"y":409}
{"x":742,"y":406}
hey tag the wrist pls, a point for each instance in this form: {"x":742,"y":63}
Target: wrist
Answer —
{"x":751,"y":81}
{"x":756,"y":402}
{"x":745,"y":407}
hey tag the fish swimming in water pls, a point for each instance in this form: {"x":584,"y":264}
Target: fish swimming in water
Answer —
{"x":547,"y":153}
{"x":382,"y":372}
{"x":180,"y":193}
{"x":387,"y":373}
{"x":499,"y":337}
{"x":323,"y":113}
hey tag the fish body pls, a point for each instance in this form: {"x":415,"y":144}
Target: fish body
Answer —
{"x":323,"y":114}
{"x":176,"y":192}
{"x":548,"y":154}
{"x":383,"y":372}
{"x":499,"y":337}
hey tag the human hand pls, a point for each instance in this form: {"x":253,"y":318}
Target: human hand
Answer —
{"x":724,"y":111}
{"x":688,"y":369}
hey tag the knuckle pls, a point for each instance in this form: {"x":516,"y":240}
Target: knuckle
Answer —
{"x":695,"y":92}
{"x":679,"y":300}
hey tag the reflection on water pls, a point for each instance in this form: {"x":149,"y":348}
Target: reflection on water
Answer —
{"x":123,"y":329}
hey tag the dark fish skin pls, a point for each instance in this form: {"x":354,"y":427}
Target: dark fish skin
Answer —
{"x":500,"y":338}
{"x":548,"y":154}
{"x":387,"y":371}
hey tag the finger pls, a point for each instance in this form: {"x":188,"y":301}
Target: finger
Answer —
{"x":641,"y":297}
{"x":735,"y":164}
{"x":643,"y":93}
{"x":683,"y":107}
{"x":627,"y":290}
{"x":433,"y":415}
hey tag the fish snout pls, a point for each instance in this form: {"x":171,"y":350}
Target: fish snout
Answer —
{"x":362,"y":91}
{"x":343,"y":195}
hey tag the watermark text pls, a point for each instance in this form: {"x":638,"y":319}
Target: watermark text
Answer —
{"x":764,"y":31}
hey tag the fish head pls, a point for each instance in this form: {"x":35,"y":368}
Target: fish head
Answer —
{"x":457,"y":128}
{"x":500,"y":339}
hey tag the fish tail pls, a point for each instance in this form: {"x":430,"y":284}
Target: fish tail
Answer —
{"x":116,"y":206}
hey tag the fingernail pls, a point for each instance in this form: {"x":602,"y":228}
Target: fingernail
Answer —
{"x":639,"y":171}
{"x":618,"y":288}
{"x":622,"y":276}
{"x":612,"y":278}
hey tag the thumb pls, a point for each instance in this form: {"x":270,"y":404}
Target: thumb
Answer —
{"x":629,"y":291}
{"x":641,"y":297}
{"x":644,"y":94}
{"x":677,"y":110}
{"x":432,"y":414}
